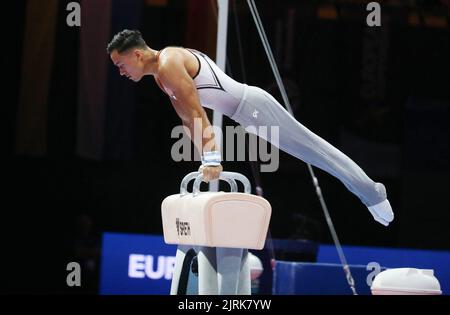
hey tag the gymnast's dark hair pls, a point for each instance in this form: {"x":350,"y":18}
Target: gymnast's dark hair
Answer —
{"x":125,"y":40}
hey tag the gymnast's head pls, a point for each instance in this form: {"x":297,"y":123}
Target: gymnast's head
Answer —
{"x":130,"y":53}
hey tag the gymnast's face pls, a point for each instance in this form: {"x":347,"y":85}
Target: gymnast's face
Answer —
{"x":130,"y":64}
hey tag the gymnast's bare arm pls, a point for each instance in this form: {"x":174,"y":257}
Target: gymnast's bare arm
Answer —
{"x":173,"y":75}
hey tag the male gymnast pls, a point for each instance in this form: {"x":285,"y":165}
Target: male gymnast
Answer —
{"x":192,"y":80}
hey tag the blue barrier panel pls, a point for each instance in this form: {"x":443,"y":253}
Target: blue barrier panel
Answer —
{"x":326,"y":276}
{"x":439,"y":261}
{"x":307,"y":278}
{"x":136,"y":264}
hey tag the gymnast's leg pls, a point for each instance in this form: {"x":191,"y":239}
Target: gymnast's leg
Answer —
{"x":259,"y":108}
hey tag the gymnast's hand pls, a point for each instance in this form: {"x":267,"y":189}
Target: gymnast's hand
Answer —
{"x":210,"y":172}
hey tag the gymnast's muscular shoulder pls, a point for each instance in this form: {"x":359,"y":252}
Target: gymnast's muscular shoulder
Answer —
{"x":176,"y":57}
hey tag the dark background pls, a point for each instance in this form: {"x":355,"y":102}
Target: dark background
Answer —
{"x":380,"y":94}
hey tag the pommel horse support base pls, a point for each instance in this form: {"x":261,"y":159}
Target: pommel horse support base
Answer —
{"x":220,"y":227}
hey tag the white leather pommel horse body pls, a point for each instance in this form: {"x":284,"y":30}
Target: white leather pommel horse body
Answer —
{"x":219,"y":227}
